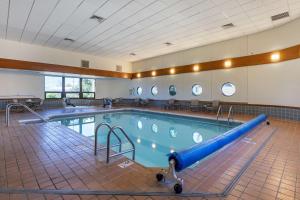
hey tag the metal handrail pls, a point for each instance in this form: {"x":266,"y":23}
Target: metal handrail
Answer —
{"x":9,"y":106}
{"x":120,"y":153}
{"x":220,"y":111}
{"x":96,"y":138}
{"x":230,"y":114}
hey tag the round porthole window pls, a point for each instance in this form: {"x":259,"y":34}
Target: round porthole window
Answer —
{"x":197,"y":137}
{"x":172,"y":90}
{"x":197,"y":90}
{"x":228,"y":89}
{"x":139,"y":91}
{"x":154,"y":90}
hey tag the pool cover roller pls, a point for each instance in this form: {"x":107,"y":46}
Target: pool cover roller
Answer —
{"x":188,"y":157}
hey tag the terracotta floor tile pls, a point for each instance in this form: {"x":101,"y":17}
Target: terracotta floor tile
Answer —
{"x":52,"y":156}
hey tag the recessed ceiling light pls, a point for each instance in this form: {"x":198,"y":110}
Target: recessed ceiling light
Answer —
{"x":227,"y":26}
{"x":153,"y":73}
{"x":69,"y":40}
{"x":168,"y":43}
{"x":98,"y":18}
{"x":132,"y":54}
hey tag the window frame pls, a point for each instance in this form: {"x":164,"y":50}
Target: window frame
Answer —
{"x":197,"y":95}
{"x":235,"y":89}
{"x":137,"y":91}
{"x":154,"y":86}
{"x":64,"y":92}
{"x":175,"y":90}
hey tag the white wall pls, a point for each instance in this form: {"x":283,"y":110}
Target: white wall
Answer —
{"x":113,"y":88}
{"x":276,"y":84}
{"x":272,"y":84}
{"x":29,"y":52}
{"x":13,"y":83}
{"x":278,"y":38}
{"x":24,"y":83}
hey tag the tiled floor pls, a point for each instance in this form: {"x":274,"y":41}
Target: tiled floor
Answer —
{"x":50,"y":156}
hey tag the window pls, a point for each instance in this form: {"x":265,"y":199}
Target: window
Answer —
{"x":72,"y":84}
{"x":53,"y":95}
{"x":88,"y":88}
{"x":139,"y":91}
{"x":228,"y":89}
{"x":154,"y":90}
{"x":196,"y":90}
{"x":58,"y":87}
{"x":172,"y":90}
{"x":72,"y":87}
{"x":53,"y":87}
{"x":72,"y":95}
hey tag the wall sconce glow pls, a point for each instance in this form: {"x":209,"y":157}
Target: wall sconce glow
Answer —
{"x":227,"y":63}
{"x":153,"y":145}
{"x":275,"y":57}
{"x":138,"y":75}
{"x":196,"y":68}
{"x":172,"y":71}
{"x":153,"y":73}
{"x":125,"y":76}
{"x":138,"y":140}
{"x":140,"y":125}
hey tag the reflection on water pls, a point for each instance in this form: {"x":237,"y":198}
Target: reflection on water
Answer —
{"x":154,"y":135}
{"x":197,"y":137}
{"x":140,"y":125}
{"x":84,"y":125}
{"x":154,"y":128}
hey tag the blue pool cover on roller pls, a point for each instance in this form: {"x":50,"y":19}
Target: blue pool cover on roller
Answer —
{"x":186,"y":158}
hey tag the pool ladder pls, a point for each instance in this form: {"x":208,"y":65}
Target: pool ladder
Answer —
{"x":112,"y":130}
{"x":229,"y":116}
{"x":10,"y":105}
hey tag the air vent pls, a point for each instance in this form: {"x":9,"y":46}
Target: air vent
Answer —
{"x":168,"y":43}
{"x":69,"y":40}
{"x":119,"y":68}
{"x":132,"y":54}
{"x":280,"y":16}
{"x":98,"y":18}
{"x":85,"y":63}
{"x":227,"y":26}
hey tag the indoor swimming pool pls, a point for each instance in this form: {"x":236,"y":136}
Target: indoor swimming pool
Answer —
{"x":155,"y":135}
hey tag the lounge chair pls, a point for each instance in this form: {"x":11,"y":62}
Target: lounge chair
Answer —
{"x":170,"y":104}
{"x":194,"y":105}
{"x":144,"y":102}
{"x":67,"y":102}
{"x":213,"y":107}
{"x":136,"y":102}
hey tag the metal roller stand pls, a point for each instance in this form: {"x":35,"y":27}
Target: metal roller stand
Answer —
{"x":171,"y":175}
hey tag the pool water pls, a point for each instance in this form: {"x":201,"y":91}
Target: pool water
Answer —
{"x":155,"y":135}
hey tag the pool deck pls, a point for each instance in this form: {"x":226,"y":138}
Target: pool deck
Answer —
{"x":49,"y":161}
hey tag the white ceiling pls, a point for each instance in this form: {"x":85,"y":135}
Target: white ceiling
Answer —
{"x":136,"y":26}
